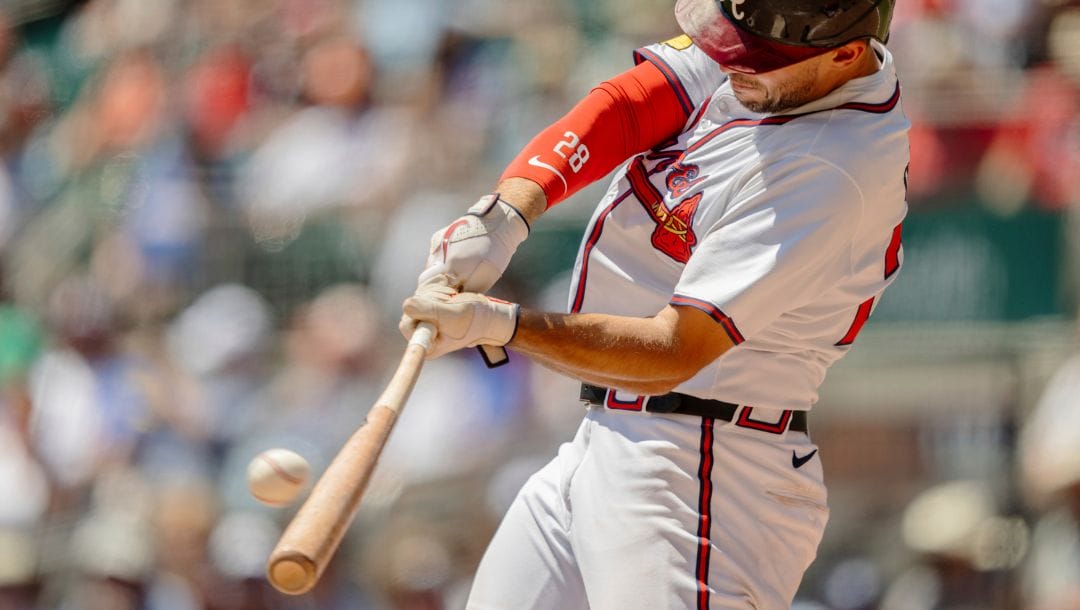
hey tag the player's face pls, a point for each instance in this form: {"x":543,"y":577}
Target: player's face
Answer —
{"x":803,"y":82}
{"x":783,"y":89}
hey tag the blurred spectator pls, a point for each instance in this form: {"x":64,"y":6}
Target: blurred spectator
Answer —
{"x":218,"y":92}
{"x":320,"y":392}
{"x":964,"y":546}
{"x":111,"y":549}
{"x":220,"y":341}
{"x":1035,"y":154}
{"x":337,"y":153}
{"x":1050,"y":468}
{"x":88,"y":406}
{"x":119,"y":171}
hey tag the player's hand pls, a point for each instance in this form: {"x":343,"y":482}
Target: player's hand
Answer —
{"x":475,"y":249}
{"x":464,"y":319}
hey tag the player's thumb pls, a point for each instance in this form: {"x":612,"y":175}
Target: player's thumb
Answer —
{"x":407,"y":326}
{"x":420,"y":309}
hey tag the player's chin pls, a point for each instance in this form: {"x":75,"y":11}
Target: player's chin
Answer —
{"x":754,"y":101}
{"x":749,"y":94}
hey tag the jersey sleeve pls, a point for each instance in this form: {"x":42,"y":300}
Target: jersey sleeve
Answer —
{"x":691,"y":74}
{"x":783,"y":241}
{"x":622,"y":116}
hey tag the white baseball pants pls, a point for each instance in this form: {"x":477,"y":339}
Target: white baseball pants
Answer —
{"x":652,"y":511}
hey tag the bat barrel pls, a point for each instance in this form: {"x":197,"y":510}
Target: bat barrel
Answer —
{"x":292,"y":573}
{"x":314,"y":534}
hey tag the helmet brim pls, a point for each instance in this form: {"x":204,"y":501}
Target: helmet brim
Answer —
{"x":733,"y":47}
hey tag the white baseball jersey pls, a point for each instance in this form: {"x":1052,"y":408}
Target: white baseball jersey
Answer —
{"x":784,"y":228}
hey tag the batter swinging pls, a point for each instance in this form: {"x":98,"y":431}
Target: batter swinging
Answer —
{"x":745,"y":239}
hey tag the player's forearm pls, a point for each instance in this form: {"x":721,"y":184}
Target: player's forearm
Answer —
{"x":525,"y":196}
{"x":653,"y":388}
{"x":640,"y":355}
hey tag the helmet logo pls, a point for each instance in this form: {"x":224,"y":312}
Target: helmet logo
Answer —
{"x":736,"y":12}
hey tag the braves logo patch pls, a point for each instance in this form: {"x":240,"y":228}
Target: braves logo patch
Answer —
{"x":682,"y":178}
{"x":674,"y":232}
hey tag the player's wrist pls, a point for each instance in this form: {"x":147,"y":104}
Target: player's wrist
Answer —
{"x":502,"y":220}
{"x":525,"y":196}
{"x":500,"y":323}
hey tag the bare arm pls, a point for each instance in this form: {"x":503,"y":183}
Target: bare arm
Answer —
{"x":525,"y":196}
{"x":647,"y":356}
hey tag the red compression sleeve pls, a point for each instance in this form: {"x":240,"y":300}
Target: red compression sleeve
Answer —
{"x":632,"y":112}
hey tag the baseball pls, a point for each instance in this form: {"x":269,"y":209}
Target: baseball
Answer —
{"x":276,"y":476}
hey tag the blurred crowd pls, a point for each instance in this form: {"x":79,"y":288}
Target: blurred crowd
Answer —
{"x":210,"y":211}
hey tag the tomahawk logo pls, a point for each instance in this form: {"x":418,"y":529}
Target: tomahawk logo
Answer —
{"x":674,"y":233}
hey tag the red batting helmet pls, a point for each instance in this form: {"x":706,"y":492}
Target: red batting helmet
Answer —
{"x":763,"y":35}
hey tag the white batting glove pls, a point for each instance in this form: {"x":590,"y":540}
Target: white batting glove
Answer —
{"x":465,"y":319}
{"x":475,"y":249}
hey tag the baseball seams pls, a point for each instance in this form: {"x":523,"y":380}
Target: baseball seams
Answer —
{"x":280,"y":471}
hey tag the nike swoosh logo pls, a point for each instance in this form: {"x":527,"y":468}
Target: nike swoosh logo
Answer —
{"x":797,"y":461}
{"x":536,"y":162}
{"x":446,"y":236}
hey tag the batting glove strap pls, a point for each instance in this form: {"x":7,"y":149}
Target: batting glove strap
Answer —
{"x":462,"y":320}
{"x":475,"y":249}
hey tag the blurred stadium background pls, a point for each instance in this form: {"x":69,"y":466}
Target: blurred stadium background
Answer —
{"x":210,"y":211}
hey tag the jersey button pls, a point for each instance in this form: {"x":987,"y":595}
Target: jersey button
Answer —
{"x":723,"y":106}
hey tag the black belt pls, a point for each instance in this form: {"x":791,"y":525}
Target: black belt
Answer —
{"x":692,"y":405}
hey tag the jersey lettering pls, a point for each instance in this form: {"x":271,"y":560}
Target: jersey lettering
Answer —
{"x":861,"y":317}
{"x":664,"y":158}
{"x":616,"y":399}
{"x":892,"y":265}
{"x":682,"y":178}
{"x":892,"y":254}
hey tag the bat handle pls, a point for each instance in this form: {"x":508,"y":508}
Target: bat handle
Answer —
{"x":424,"y":336}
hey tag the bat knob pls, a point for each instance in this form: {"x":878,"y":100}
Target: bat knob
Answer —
{"x":292,"y":574}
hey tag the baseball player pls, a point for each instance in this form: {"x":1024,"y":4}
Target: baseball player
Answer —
{"x":752,"y":225}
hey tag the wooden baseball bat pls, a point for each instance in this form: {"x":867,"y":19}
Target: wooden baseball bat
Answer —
{"x":308,"y":543}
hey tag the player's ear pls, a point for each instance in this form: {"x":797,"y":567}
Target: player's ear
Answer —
{"x":848,"y":54}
